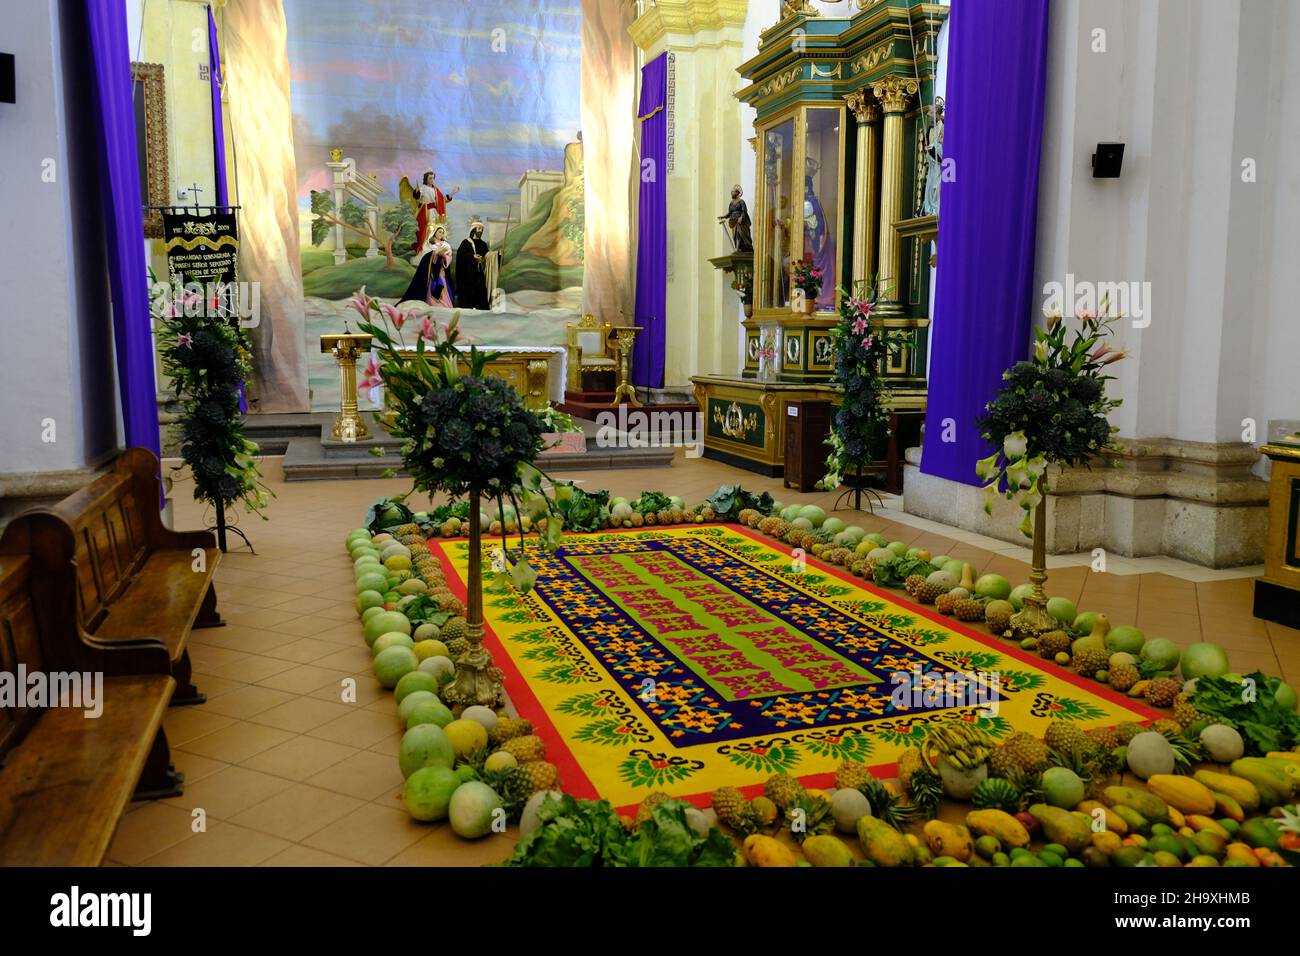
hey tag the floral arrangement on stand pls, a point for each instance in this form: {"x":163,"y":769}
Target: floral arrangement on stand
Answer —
{"x":862,"y":420}
{"x":206,"y":356}
{"x":1051,"y":410}
{"x":807,"y":278}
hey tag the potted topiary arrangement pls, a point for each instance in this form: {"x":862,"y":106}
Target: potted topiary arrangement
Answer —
{"x":1051,"y":410}
{"x":465,"y":434}
{"x":861,"y":423}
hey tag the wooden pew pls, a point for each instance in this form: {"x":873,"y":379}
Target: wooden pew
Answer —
{"x":104,"y":565}
{"x":65,"y":778}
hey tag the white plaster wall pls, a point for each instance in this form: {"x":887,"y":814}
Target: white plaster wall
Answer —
{"x":1191,"y":87}
{"x":58,"y":330}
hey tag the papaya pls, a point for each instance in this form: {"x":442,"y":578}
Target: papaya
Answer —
{"x":1239,"y":854}
{"x":1203,"y":824}
{"x":1148,"y":804}
{"x":1009,"y":831}
{"x":1242,"y":791}
{"x":1209,"y":843}
{"x":1168,"y":844}
{"x":1114,"y":822}
{"x":827,"y":851}
{"x":1260,"y":832}
{"x":1273,"y":784}
{"x":1289,"y":767}
{"x":1128,"y":856}
{"x":1165,"y":858}
{"x":1135,"y":822}
{"x":948,"y":839}
{"x":1108,"y":841}
{"x":765,"y":851}
{"x":1228,"y":807}
{"x":1284,"y":755}
{"x":1176,"y":818}
{"x":1204,"y":861}
{"x":882,"y":844}
{"x":1072,"y":830}
{"x":1182,"y":793}
{"x":1095,"y":856}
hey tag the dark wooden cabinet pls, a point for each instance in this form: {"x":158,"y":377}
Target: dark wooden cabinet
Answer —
{"x":807,"y":423}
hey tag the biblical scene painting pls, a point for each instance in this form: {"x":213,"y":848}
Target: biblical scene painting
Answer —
{"x":440,"y":165}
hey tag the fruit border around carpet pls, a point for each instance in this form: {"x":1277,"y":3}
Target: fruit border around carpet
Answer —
{"x":810,"y":752}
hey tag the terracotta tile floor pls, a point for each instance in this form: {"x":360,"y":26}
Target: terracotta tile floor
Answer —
{"x":286,"y":774}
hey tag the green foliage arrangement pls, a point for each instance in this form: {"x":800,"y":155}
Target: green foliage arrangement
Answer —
{"x":206,"y":357}
{"x":1051,"y":410}
{"x":862,"y":420}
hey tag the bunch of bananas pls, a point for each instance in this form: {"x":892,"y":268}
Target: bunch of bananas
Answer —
{"x":964,"y":745}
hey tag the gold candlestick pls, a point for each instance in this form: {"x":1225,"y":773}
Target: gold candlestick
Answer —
{"x":478,"y":680}
{"x":347,"y":347}
{"x":625,"y":337}
{"x":1033,"y":619}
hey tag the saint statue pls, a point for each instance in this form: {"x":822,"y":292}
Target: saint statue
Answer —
{"x":431,"y":283}
{"x":737,"y":220}
{"x":933,"y":161}
{"x":471,"y":282}
{"x":818,"y":243}
{"x":421,"y":198}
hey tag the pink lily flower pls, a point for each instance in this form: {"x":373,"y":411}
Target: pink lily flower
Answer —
{"x":867,"y":343}
{"x":394,"y":315}
{"x":370,"y":377}
{"x":1114,"y":357}
{"x":428,"y":330}
{"x":184,"y":340}
{"x":859,"y":325}
{"x":361,"y":303}
{"x":1083,"y":315}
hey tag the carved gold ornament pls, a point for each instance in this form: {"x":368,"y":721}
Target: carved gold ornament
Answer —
{"x":894,"y":91}
{"x":863,"y":106}
{"x":734,"y":422}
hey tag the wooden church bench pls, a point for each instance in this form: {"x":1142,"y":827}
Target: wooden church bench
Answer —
{"x":65,"y":778}
{"x":103,"y":564}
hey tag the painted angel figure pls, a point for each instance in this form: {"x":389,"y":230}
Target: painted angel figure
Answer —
{"x":421,"y":198}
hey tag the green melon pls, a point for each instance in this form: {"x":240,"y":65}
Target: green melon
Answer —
{"x":424,"y":745}
{"x":803,"y":524}
{"x":372,"y":581}
{"x":394,"y":663}
{"x":993,"y":587}
{"x":898,"y":547}
{"x":428,"y":712}
{"x":1285,"y":696}
{"x":370,"y":612}
{"x":854,"y":533}
{"x":416,"y":680}
{"x":385,"y":622}
{"x":440,"y":667}
{"x":954,"y":566}
{"x":1062,"y":787}
{"x":1062,"y":609}
{"x":412,"y":700}
{"x":428,"y":793}
{"x":369,"y":601}
{"x":789,"y":512}
{"x":1126,"y":638}
{"x":473,"y":809}
{"x":391,"y":639}
{"x":1161,"y":652}
{"x":1018,"y":595}
{"x":939,"y":560}
{"x":1204,"y":660}
{"x":833,"y":525}
{"x":1085,"y":622}
{"x":814,"y":514}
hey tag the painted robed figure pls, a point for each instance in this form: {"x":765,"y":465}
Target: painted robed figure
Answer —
{"x":429,"y":202}
{"x":471,"y":282}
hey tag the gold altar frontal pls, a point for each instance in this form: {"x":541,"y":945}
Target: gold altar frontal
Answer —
{"x":1277,"y":593}
{"x":528,"y":372}
{"x":745,"y":419}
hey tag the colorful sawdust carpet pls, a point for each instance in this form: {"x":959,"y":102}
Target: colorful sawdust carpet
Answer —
{"x":687,"y":658}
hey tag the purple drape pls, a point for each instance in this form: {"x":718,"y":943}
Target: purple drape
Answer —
{"x":984,"y":296}
{"x":652,"y":226}
{"x":218,"y":124}
{"x":113,"y":106}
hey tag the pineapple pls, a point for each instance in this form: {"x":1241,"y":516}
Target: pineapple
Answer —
{"x":457,"y":647}
{"x":1170,"y":728}
{"x":927,"y":592}
{"x":507,"y":728}
{"x":1021,"y":751}
{"x":1107,"y":738}
{"x":945,"y":603}
{"x":908,"y":764}
{"x":525,"y":748}
{"x":809,"y":816}
{"x":1053,"y":643}
{"x":1067,"y":738}
{"x":665,"y":516}
{"x":454,"y":629}
{"x":745,"y":515}
{"x":782,"y":789}
{"x":541,"y":775}
{"x":968,"y":609}
{"x":1162,"y":692}
{"x":1185,"y":711}
{"x":1127,"y":730}
{"x":648,"y":804}
{"x":1123,"y":677}
{"x":733,"y":809}
{"x":913,"y":582}
{"x":779,"y":529}
{"x":767,"y":525}
{"x":851,"y":775}
{"x":1089,"y":662}
{"x":999,"y":621}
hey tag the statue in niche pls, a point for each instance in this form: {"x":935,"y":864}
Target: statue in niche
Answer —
{"x":933,"y":161}
{"x":818,"y":243}
{"x":737,"y":219}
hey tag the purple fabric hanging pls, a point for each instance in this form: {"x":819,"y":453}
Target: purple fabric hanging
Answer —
{"x":984,"y":296}
{"x":652,"y":227}
{"x":114,"y":109}
{"x":216,"y":81}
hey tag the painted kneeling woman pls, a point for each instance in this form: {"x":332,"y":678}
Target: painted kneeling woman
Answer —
{"x":431,"y":283}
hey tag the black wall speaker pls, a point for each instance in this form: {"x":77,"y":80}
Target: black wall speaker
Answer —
{"x":1107,"y":160}
{"x":7,"y":90}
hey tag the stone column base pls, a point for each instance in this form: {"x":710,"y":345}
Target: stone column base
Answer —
{"x":1195,"y":501}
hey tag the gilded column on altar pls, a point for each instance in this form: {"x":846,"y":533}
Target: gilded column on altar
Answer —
{"x":866,"y":111}
{"x":893,"y":92}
